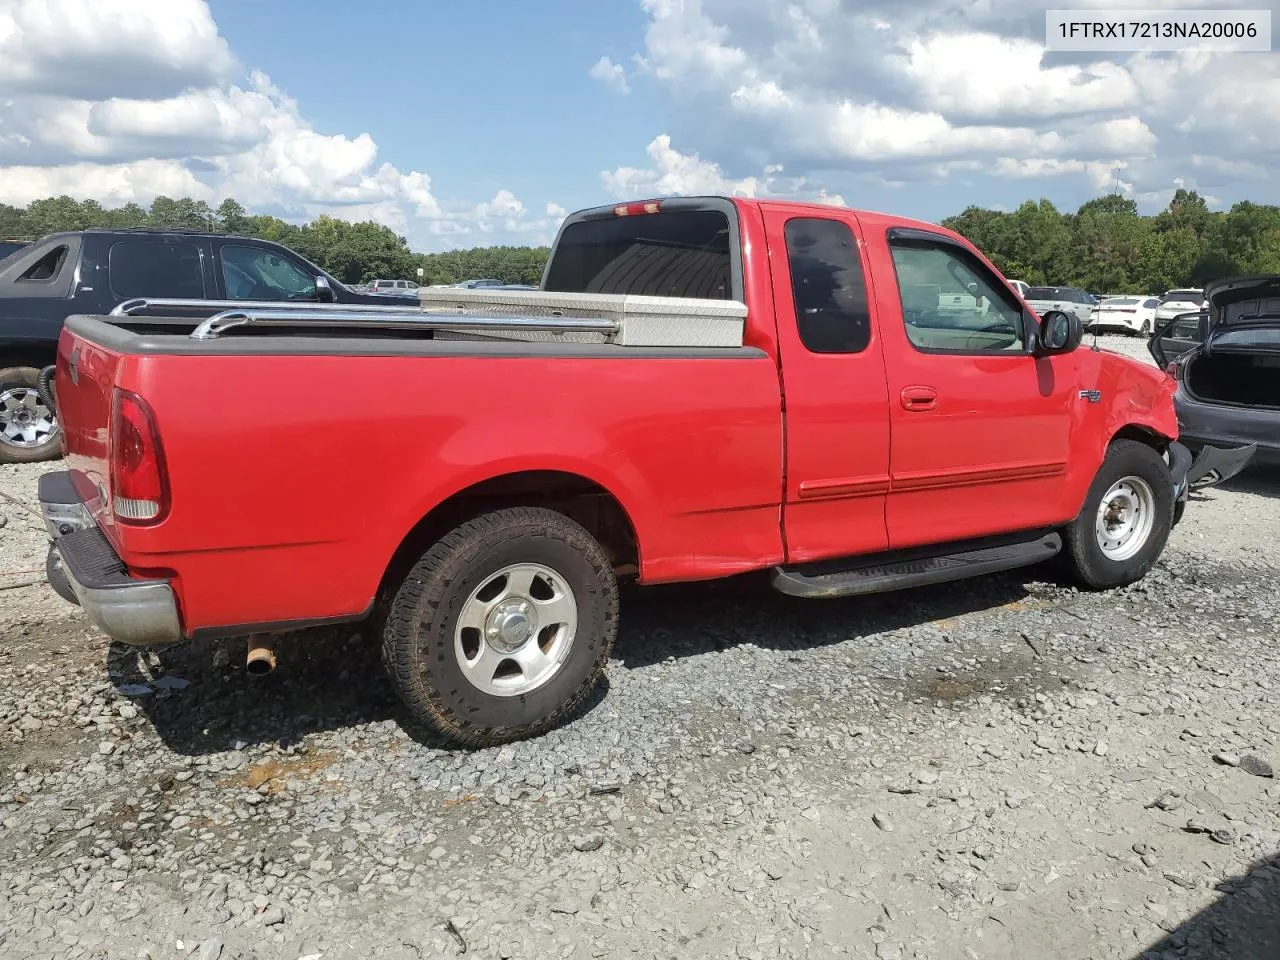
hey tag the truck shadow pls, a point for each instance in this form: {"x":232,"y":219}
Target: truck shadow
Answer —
{"x":200,"y":700}
{"x":1242,"y":924}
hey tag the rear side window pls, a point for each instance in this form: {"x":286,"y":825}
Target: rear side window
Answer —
{"x":154,"y":268}
{"x":828,"y":286}
{"x":683,"y":253}
{"x":47,"y":267}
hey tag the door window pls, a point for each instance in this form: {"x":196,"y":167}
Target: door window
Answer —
{"x":950,"y":303}
{"x":828,"y":286}
{"x":155,"y":268}
{"x":252,"y":273}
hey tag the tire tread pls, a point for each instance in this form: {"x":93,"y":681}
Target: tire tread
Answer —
{"x":424,"y":590}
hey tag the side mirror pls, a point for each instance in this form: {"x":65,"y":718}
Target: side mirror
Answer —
{"x":324,"y":292}
{"x":1059,"y":332}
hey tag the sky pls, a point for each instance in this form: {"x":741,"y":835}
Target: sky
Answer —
{"x":468,"y":124}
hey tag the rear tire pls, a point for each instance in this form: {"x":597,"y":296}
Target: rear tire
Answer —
{"x":1125,"y":521}
{"x":543,"y":599}
{"x":28,"y":431}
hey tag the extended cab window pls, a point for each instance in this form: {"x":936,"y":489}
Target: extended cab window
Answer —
{"x":251,"y":273}
{"x":682,"y":253}
{"x":155,"y":268}
{"x":828,"y":286}
{"x":949,"y":302}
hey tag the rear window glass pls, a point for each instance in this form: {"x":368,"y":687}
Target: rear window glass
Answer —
{"x":153,"y":268}
{"x":679,"y":254}
{"x":1193,"y":296}
{"x":1043,"y":293}
{"x":1119,"y":302}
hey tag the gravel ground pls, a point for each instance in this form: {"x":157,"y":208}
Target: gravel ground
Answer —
{"x":1003,"y":768}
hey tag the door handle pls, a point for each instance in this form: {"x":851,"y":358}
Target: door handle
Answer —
{"x":919,"y":398}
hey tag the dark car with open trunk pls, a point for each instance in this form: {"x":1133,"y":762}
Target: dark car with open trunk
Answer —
{"x":1226,"y":359}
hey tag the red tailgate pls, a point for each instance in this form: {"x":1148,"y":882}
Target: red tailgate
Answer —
{"x":85,"y":379}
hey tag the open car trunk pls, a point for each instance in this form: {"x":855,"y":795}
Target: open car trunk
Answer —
{"x":1238,"y":378}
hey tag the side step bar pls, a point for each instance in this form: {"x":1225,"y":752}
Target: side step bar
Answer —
{"x":911,"y":569}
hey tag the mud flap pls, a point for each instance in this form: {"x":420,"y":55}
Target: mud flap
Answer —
{"x":1213,"y":465}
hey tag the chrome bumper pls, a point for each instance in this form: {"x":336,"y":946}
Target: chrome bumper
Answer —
{"x":84,"y":569}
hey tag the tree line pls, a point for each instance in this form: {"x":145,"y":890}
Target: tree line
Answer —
{"x":352,"y":252}
{"x":1106,"y":246}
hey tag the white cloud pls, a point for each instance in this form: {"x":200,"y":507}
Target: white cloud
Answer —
{"x":893,"y":90}
{"x":135,"y":48}
{"x":673,"y":173}
{"x":611,"y":74}
{"x":125,"y":100}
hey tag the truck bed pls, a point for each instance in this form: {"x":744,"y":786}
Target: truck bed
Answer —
{"x":302,"y":456}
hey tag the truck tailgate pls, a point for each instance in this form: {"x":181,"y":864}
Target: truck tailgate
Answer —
{"x":86,"y":377}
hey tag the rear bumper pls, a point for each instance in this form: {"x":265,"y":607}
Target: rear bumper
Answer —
{"x":1202,"y":425}
{"x":85,"y":570}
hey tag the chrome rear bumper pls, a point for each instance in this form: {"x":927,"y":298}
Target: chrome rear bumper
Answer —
{"x":84,"y":569}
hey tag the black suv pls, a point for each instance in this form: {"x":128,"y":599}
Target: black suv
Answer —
{"x":92,"y":271}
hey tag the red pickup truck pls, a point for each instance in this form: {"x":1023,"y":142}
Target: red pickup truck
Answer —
{"x":848,"y":401}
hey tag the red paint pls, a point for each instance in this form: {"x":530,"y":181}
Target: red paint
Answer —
{"x":292,"y":480}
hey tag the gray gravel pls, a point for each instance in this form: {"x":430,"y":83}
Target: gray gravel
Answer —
{"x":1002,"y":768}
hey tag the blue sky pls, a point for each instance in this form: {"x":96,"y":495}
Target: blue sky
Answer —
{"x":461,"y":125}
{"x":503,"y":102}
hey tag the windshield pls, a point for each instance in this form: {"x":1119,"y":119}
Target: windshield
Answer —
{"x":683,"y":253}
{"x":1120,"y":302}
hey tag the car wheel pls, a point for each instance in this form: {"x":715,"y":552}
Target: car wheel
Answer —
{"x":28,"y":431}
{"x":1146,"y":329}
{"x":1125,"y":521}
{"x":502,"y":627}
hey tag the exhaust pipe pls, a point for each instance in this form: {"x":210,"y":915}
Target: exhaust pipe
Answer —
{"x":261,"y":658}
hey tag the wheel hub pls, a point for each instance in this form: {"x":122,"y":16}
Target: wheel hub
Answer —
{"x":1125,"y":518}
{"x":510,"y":625}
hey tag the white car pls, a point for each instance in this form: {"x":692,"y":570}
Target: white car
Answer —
{"x":1126,"y":314}
{"x":1022,"y":287}
{"x":1174,"y":302}
{"x":1066,"y":299}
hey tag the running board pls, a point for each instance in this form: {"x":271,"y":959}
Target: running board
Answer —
{"x":912,"y":570}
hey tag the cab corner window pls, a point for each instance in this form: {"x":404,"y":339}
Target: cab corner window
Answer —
{"x":254,"y":273}
{"x":47,"y":267}
{"x":950,"y":304}
{"x":828,"y":286}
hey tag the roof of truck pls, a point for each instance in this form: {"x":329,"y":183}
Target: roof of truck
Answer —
{"x":872,"y":218}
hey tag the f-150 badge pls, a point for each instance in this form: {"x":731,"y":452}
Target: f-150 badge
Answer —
{"x":1093,"y":396}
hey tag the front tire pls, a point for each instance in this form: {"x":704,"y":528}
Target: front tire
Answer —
{"x":503,"y":627}
{"x":1125,"y":521}
{"x":29,"y":433}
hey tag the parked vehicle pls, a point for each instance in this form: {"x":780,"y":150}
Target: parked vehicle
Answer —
{"x":406,"y":287}
{"x":1126,"y":314}
{"x":91,"y":271}
{"x":1226,"y":361}
{"x":1021,"y":286}
{"x":520,"y":451}
{"x":1070,"y":300}
{"x":11,"y":246}
{"x":477,"y":284}
{"x":1175,"y":302}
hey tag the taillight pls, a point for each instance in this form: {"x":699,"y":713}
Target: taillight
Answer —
{"x":634,"y":209}
{"x":139,"y":484}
